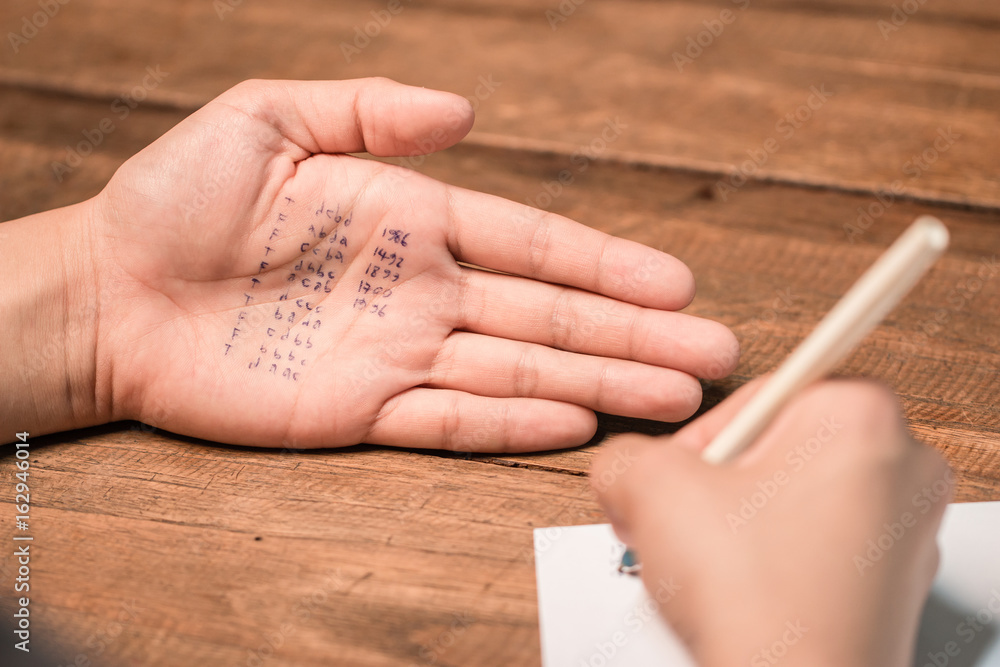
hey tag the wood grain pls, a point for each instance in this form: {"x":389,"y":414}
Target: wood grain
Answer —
{"x":147,"y":543}
{"x":885,"y":97}
{"x":219,"y":551}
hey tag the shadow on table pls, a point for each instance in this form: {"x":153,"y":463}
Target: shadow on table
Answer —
{"x":40,"y":655}
{"x":951,"y":635}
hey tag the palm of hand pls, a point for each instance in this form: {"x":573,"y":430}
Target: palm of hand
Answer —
{"x":262,"y":292}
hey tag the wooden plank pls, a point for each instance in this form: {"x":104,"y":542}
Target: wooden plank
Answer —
{"x":889,"y":96}
{"x":361,"y":556}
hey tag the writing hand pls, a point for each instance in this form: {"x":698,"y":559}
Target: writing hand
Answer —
{"x":815,"y":547}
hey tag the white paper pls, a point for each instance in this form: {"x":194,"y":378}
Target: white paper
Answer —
{"x":967,"y":587}
{"x":590,"y":615}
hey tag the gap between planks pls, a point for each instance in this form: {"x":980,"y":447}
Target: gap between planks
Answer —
{"x":68,"y":87}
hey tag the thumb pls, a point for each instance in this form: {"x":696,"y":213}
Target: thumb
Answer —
{"x":376,"y":115}
{"x":632,"y":471}
{"x":636,"y":476}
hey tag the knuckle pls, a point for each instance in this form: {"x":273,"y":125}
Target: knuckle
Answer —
{"x":538,"y":246}
{"x":604,"y":381}
{"x":560,"y":321}
{"x":865,"y":420}
{"x":505,"y":428}
{"x":636,"y":333}
{"x":868,"y":405}
{"x":247,"y":89}
{"x":526,"y":373}
{"x":451,"y":424}
{"x":442,"y":368}
{"x":379,"y":81}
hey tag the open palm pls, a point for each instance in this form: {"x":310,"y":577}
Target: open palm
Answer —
{"x":261,"y":286}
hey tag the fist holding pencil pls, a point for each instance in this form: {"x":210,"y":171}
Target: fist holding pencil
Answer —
{"x":826,"y":465}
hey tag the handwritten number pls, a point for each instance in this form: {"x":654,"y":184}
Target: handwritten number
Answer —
{"x":318,"y":277}
{"x":396,"y":236}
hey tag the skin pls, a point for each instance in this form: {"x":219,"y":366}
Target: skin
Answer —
{"x":804,"y":557}
{"x":126,"y":302}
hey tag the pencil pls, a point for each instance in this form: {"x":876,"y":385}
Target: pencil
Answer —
{"x":860,"y":310}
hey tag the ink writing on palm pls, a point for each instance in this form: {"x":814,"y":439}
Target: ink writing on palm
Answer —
{"x":261,"y":286}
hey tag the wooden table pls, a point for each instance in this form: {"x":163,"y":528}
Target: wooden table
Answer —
{"x":844,"y":120}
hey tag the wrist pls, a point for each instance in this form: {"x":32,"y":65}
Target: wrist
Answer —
{"x":50,"y":300}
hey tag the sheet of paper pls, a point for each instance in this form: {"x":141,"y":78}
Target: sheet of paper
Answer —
{"x":961,"y":622}
{"x":592,"y":616}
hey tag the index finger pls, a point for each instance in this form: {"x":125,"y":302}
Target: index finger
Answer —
{"x":499,"y":234}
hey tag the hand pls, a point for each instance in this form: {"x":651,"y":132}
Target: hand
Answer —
{"x":816,"y":546}
{"x":256,"y":285}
